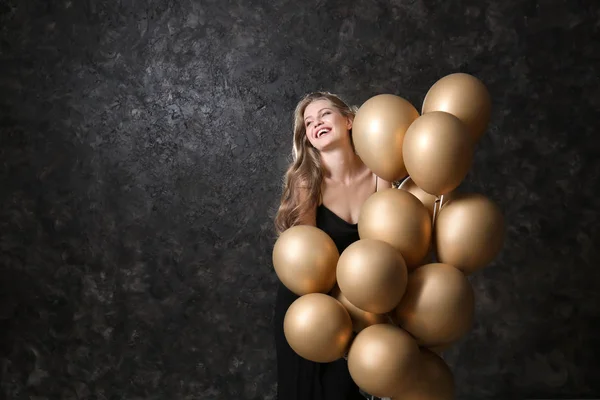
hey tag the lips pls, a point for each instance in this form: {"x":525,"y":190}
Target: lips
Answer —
{"x":322,"y":131}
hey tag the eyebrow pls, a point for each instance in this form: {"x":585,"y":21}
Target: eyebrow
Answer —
{"x":324,"y":108}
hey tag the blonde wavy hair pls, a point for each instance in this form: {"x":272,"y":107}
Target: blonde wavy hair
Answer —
{"x":304,"y":172}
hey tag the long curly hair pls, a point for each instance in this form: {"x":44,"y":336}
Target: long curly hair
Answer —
{"x":304,"y":172}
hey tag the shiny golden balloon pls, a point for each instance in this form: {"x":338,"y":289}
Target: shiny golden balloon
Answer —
{"x":434,"y":380}
{"x":427,"y":199}
{"x":400,"y":219}
{"x":438,"y":306}
{"x":372,"y":275}
{"x":305,"y":259}
{"x":463,"y":96}
{"x":318,"y":328}
{"x":382,"y":360}
{"x":378,"y":133}
{"x":360,"y":318}
{"x":470,"y":232}
{"x":438,"y":152}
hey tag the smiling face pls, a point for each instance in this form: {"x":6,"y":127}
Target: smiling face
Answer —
{"x":325,"y":124}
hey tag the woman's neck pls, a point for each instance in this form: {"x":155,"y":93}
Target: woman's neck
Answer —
{"x":341,"y":164}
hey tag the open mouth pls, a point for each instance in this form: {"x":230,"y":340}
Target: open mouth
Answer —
{"x":322,"y":131}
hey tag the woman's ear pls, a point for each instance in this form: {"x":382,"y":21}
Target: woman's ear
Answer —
{"x":350,"y":121}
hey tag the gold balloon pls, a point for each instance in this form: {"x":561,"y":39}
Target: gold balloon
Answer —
{"x":427,"y":199}
{"x":464,"y":96}
{"x":360,"y":318}
{"x":305,"y":259}
{"x":438,"y":306}
{"x":318,"y":328}
{"x":382,"y":360}
{"x":378,"y":133}
{"x":372,"y":275}
{"x":469,"y":232}
{"x":434,"y":380}
{"x":400,"y":219}
{"x":438,"y":152}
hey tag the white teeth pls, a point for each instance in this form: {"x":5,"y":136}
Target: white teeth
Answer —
{"x":322,"y":131}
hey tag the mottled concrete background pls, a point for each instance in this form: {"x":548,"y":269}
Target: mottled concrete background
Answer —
{"x":142,"y":149}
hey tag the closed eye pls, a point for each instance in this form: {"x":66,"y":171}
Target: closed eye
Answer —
{"x":326,"y":112}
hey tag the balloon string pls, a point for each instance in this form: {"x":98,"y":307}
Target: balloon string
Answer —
{"x":437,"y":206}
{"x":401,"y":185}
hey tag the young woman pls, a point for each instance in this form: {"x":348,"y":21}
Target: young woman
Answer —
{"x":325,"y":186}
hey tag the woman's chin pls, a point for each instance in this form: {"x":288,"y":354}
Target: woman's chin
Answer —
{"x":330,"y":143}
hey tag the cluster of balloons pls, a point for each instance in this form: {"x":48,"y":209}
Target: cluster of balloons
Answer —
{"x":396,"y":298}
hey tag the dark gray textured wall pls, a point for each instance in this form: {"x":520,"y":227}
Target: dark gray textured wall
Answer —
{"x":142,"y":147}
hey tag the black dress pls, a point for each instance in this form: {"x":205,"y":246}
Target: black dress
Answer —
{"x":301,"y":379}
